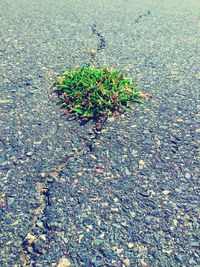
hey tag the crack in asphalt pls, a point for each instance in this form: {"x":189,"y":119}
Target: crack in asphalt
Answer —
{"x":101,"y":41}
{"x":138,"y":19}
{"x":39,"y":226}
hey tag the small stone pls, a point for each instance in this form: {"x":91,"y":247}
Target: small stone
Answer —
{"x":111,"y":119}
{"x":75,"y":181}
{"x":186,"y":224}
{"x":80,"y":238}
{"x":124,"y":224}
{"x":166,"y":192}
{"x":30,"y":153}
{"x":15,"y":223}
{"x":127,"y":172}
{"x":30,"y":250}
{"x":134,"y":152}
{"x":175,"y":222}
{"x":4,"y":163}
{"x":10,"y":200}
{"x":144,"y":264}
{"x":130,"y":245}
{"x":101,"y":171}
{"x":119,"y":250}
{"x":92,"y":156}
{"x":116,"y":200}
{"x":179,"y":190}
{"x":127,"y":262}
{"x":114,"y":209}
{"x":142,"y":249}
{"x":6,"y":81}
{"x":40,"y":224}
{"x":179,"y":120}
{"x":93,"y":52}
{"x":192,"y":262}
{"x":89,"y":226}
{"x":30,"y":238}
{"x":197,"y":75}
{"x":54,"y":175}
{"x":64,"y":262}
{"x":43,"y":237}
{"x":194,"y":244}
{"x":187,"y":175}
{"x":5,"y":101}
{"x":141,"y":164}
{"x":132,"y":213}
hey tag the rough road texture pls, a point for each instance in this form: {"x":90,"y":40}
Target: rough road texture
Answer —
{"x":129,"y":197}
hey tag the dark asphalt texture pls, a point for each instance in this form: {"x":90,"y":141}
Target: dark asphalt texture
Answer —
{"x":130,"y":196}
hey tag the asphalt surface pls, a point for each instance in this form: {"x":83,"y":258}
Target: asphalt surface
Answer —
{"x":130,"y":196}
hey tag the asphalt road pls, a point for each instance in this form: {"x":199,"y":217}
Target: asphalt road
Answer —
{"x":129,"y":197}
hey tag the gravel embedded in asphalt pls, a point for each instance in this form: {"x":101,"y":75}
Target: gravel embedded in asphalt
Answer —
{"x":130,"y":196}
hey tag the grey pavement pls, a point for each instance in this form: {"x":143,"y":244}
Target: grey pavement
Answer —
{"x":130,"y":196}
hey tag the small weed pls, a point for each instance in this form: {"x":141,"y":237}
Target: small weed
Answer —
{"x":93,"y":93}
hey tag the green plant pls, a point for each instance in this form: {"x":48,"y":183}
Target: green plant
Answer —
{"x":90,"y":92}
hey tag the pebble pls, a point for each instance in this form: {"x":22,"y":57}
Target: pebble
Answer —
{"x":166,"y":192}
{"x":5,"y":101}
{"x":187,"y":175}
{"x":4,"y":163}
{"x":29,"y":153}
{"x":197,"y":75}
{"x":64,"y":262}
{"x":127,"y":262}
{"x":130,"y":245}
{"x":133,"y":214}
{"x":127,"y":172}
{"x":40,"y":224}
{"x":134,"y":152}
{"x":30,"y":238}
{"x":141,"y":164}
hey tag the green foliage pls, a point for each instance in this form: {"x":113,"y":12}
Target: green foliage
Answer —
{"x":90,"y":92}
